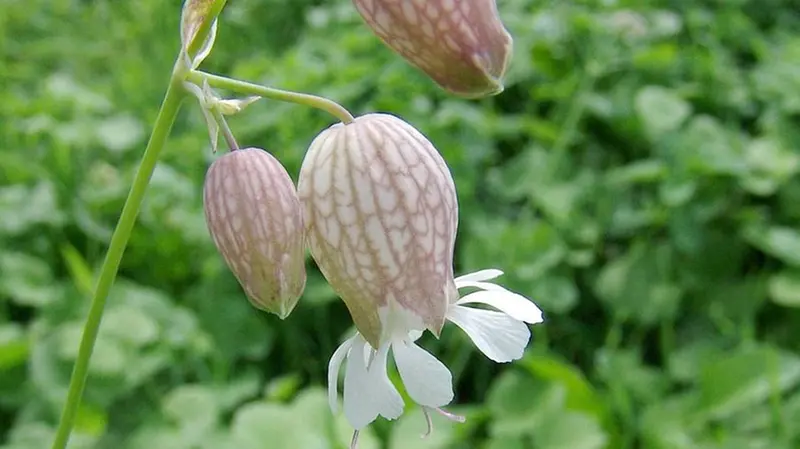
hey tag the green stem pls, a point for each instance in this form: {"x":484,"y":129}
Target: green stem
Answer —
{"x":119,"y":240}
{"x":244,"y":87}
{"x":227,"y":134}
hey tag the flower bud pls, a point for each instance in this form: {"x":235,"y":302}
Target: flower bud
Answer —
{"x":462,"y":45}
{"x":381,"y":213}
{"x":254,"y":217}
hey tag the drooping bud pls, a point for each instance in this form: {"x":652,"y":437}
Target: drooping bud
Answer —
{"x":255,"y":220}
{"x":381,"y":213}
{"x":462,"y":45}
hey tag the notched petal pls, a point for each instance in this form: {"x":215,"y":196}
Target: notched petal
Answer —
{"x":427,"y":380}
{"x":479,"y":276}
{"x":334,"y":367}
{"x":512,"y":304}
{"x":500,"y":337}
{"x":368,"y":392}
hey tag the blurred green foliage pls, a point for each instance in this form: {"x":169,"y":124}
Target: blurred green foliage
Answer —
{"x":638,"y":179}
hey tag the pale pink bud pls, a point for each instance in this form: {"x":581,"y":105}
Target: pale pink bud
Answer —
{"x":380,"y":211}
{"x":254,"y":217}
{"x":460,"y":44}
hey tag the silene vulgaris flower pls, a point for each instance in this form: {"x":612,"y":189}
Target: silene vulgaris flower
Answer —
{"x":501,"y":335}
{"x":380,"y":212}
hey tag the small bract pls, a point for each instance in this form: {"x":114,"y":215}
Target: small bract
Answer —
{"x":254,"y":217}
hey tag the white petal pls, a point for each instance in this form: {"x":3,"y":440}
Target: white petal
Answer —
{"x":480,"y":285}
{"x":367,"y":393}
{"x":497,"y":335}
{"x":483,"y":275}
{"x":514,"y":305}
{"x":391,"y":404}
{"x":334,"y":366}
{"x":358,"y":406}
{"x":427,"y":380}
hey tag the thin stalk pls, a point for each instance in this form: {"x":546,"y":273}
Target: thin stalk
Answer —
{"x":247,"y":88}
{"x":170,"y":106}
{"x":227,"y":134}
{"x":119,"y":240}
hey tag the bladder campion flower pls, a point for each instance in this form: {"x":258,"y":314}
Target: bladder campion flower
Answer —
{"x":381,"y":215}
{"x":254,"y":217}
{"x":462,"y":45}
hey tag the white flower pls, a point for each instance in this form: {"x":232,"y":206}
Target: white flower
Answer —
{"x":501,"y":335}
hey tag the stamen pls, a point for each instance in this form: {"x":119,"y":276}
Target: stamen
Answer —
{"x":451,"y":416}
{"x":428,"y":421}
{"x":354,"y":441}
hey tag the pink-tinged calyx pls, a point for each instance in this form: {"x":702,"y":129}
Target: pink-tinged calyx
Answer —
{"x":461,"y":44}
{"x":254,"y":217}
{"x":381,"y":214}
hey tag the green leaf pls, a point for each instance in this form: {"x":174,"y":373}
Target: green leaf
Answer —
{"x":530,"y":248}
{"x":557,"y":200}
{"x":555,"y":294}
{"x":192,"y":406}
{"x":120,"y":133}
{"x":686,"y":363}
{"x":738,"y":300}
{"x":257,"y":423}
{"x":745,"y":379}
{"x":641,"y":172}
{"x":661,"y":110}
{"x":407,"y":432}
{"x":283,"y":387}
{"x":246,"y":385}
{"x":770,"y":166}
{"x":130,"y":325}
{"x":625,"y":368}
{"x":572,"y":430}
{"x":671,"y":423}
{"x":14,"y":346}
{"x":707,"y":147}
{"x":506,"y":443}
{"x":22,"y":208}
{"x":784,"y":288}
{"x":639,"y":284}
{"x":518,"y":402}
{"x":27,"y":280}
{"x":82,"y":275}
{"x":580,"y":394}
{"x":778,"y":241}
{"x":109,"y":357}
{"x":311,"y":406}
{"x":91,"y":420}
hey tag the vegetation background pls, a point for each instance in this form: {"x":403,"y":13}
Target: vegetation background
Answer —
{"x":638,"y":179}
